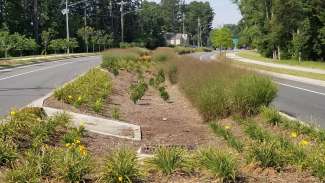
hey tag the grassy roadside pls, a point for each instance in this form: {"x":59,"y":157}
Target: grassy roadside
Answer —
{"x":281,"y":71}
{"x":17,"y":61}
{"x":256,"y":56}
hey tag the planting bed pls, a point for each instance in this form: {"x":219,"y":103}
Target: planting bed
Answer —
{"x":200,"y":122}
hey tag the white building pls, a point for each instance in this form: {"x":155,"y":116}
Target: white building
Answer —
{"x":176,"y":39}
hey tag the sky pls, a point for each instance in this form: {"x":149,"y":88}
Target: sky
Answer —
{"x":225,"y":12}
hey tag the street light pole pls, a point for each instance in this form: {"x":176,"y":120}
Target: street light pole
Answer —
{"x":67,"y":24}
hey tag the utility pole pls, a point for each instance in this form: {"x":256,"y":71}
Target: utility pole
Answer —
{"x":85,"y":14}
{"x":122,"y":19}
{"x":67,"y":23}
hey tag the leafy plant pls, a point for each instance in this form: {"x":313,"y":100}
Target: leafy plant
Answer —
{"x":271,"y":115}
{"x":121,"y":166}
{"x":137,"y":91}
{"x":72,"y":135}
{"x":168,"y":160}
{"x":228,"y":136}
{"x":163,"y":93}
{"x":220,"y":164}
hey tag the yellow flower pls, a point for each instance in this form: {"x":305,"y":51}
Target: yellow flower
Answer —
{"x":82,"y":123}
{"x":70,"y":97}
{"x":79,"y":98}
{"x":67,"y":145}
{"x":294,"y":134}
{"x":227,"y":127}
{"x":120,"y":178}
{"x":13,"y":113}
{"x":77,"y":141}
{"x":303,"y":142}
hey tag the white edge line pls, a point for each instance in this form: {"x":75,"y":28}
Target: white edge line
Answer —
{"x":303,"y":89}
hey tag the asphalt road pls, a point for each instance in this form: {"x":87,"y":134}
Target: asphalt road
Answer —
{"x":303,"y":101}
{"x":20,"y":86}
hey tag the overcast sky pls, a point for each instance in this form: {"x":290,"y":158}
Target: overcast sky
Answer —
{"x":225,"y":11}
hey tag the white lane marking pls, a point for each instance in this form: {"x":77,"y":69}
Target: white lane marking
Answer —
{"x":303,"y":89}
{"x":46,"y":68}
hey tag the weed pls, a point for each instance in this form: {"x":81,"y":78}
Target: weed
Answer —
{"x":271,"y":115}
{"x":220,"y":164}
{"x":168,"y":160}
{"x":121,"y":166}
{"x":228,"y":136}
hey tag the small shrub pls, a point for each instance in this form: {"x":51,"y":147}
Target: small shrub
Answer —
{"x":267,"y":154}
{"x":252,"y":92}
{"x":271,"y":115}
{"x":220,"y":164}
{"x":160,"y":78}
{"x":8,"y":152}
{"x":172,"y":74}
{"x":72,"y":164}
{"x":38,"y":112}
{"x":121,"y":166}
{"x":73,"y":135}
{"x":228,"y":136}
{"x":137,"y":91}
{"x":168,"y":160}
{"x":164,"y":94}
{"x":115,"y":113}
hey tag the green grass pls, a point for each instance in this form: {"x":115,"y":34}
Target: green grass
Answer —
{"x":281,"y":70}
{"x":256,"y":56}
{"x":90,"y":90}
{"x":228,"y":136}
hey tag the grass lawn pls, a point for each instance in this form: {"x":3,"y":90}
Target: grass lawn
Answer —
{"x":15,"y":61}
{"x":250,"y":54}
{"x":282,"y":71}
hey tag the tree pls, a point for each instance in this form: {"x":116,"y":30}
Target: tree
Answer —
{"x":85,"y":33}
{"x":47,"y":36}
{"x":7,"y":42}
{"x":221,"y":38}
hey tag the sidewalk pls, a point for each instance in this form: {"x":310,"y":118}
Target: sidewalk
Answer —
{"x":235,"y":57}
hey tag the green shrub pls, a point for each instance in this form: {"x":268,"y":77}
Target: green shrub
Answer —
{"x":267,"y":154}
{"x":91,"y":89}
{"x":137,"y":91}
{"x":72,"y":164}
{"x":121,"y":166}
{"x":24,"y":173}
{"x":8,"y":152}
{"x":73,"y":135}
{"x":163,"y":93}
{"x":168,"y":159}
{"x":172,"y":74}
{"x":271,"y":115}
{"x":220,"y":164}
{"x":228,"y":136}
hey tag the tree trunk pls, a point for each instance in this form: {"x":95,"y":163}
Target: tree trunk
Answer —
{"x":35,"y":20}
{"x":279,"y":53}
{"x":6,"y":53}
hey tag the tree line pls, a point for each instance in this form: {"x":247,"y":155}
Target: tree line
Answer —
{"x":96,"y":24}
{"x":284,"y":28}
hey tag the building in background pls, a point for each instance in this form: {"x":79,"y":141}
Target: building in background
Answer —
{"x":176,"y":39}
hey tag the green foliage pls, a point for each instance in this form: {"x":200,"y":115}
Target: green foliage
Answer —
{"x":168,"y":160}
{"x":221,"y":38}
{"x":23,"y":174}
{"x":72,"y":164}
{"x":137,"y":91}
{"x":220,"y":164}
{"x":164,"y":94}
{"x":121,"y":166}
{"x":252,"y":92}
{"x":8,"y":152}
{"x":116,"y":113}
{"x":228,"y":136}
{"x":73,"y":135}
{"x":271,"y":115}
{"x":91,"y":90}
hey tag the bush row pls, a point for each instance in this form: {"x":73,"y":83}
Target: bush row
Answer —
{"x":185,"y":50}
{"x":90,"y":89}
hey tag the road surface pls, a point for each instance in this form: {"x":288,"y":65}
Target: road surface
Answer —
{"x":303,"y":101}
{"x":20,"y":86}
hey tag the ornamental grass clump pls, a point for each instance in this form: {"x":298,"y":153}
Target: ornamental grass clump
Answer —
{"x":8,"y":152}
{"x":121,"y":166}
{"x":220,"y":164}
{"x":90,"y":90}
{"x":137,"y":91}
{"x":271,"y":115}
{"x":168,"y":160}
